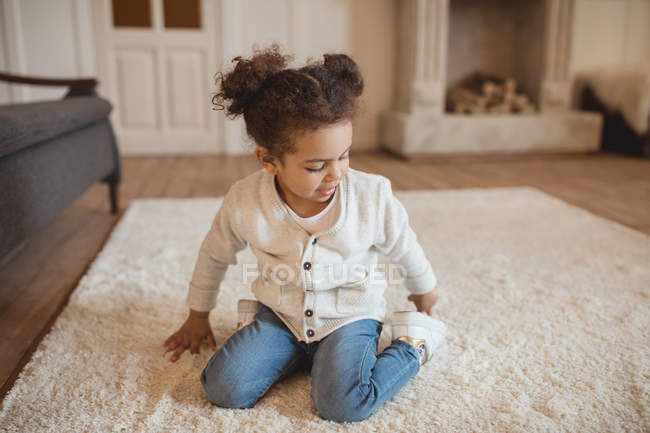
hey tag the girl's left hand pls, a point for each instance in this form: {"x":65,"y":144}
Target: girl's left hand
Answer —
{"x":425,"y":302}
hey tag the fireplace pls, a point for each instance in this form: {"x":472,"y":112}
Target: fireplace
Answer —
{"x":522,"y":47}
{"x":493,"y":47}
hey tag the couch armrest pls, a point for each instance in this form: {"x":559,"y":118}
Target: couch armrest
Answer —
{"x":39,"y":81}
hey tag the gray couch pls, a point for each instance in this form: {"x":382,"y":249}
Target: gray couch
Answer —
{"x":50,"y":153}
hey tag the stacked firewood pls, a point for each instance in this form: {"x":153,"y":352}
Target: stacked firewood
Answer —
{"x":482,"y":93}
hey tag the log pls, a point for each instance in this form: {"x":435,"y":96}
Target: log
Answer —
{"x":460,"y":94}
{"x":483,"y":93}
{"x":489,"y":88}
{"x":477,"y":109}
{"x":520,"y":102}
{"x":527,"y":109}
{"x":500,"y":109}
{"x":461,"y":108}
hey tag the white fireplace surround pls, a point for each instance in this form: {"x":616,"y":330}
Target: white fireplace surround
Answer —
{"x":419,"y":125}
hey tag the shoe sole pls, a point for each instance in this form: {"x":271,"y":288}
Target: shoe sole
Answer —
{"x":414,"y":318}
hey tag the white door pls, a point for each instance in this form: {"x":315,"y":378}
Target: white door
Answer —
{"x":158,"y":70}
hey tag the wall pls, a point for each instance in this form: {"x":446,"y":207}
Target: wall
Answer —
{"x":4,"y":89}
{"x":55,"y":39}
{"x":610,"y":32}
{"x":362,"y":28}
{"x":44,"y":38}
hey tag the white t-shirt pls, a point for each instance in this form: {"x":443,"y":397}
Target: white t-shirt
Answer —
{"x":323,"y":220}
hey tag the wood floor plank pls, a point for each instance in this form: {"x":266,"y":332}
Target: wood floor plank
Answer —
{"x":138,"y":172}
{"x":180,"y":184}
{"x":25,"y":266}
{"x":32,"y":313}
{"x":158,"y":179}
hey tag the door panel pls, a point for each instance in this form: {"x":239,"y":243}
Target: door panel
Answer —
{"x":184,"y":69}
{"x":160,"y":80}
{"x":136,"y":88}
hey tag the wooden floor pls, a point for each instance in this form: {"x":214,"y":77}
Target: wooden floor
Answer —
{"x":38,"y":279}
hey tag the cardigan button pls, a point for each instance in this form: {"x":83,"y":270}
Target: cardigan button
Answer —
{"x":310,"y":333}
{"x":306,"y":266}
{"x":309,"y":313}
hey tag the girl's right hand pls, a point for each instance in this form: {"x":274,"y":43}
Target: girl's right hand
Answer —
{"x":195,"y":329}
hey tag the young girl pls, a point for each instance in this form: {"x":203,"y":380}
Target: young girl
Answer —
{"x":316,"y":227}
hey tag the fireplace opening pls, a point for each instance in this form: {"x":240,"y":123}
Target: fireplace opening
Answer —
{"x":495,"y":56}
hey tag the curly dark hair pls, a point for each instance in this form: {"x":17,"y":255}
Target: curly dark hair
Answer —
{"x":278,"y":102}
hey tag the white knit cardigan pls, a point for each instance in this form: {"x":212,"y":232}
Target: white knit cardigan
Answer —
{"x":320,"y":282}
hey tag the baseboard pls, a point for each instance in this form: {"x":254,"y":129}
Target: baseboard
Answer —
{"x":457,"y":157}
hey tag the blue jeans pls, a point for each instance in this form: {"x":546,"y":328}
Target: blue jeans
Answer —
{"x":349,"y":380}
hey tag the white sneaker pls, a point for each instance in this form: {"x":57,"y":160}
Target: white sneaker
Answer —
{"x":422,"y":332}
{"x":246,"y":310}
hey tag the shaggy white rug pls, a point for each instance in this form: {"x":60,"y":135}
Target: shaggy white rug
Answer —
{"x":547,"y":307}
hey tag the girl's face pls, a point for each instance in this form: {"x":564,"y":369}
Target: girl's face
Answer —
{"x":308,"y":178}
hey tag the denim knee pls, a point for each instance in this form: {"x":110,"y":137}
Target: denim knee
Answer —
{"x":223,"y":392}
{"x":340,"y":406}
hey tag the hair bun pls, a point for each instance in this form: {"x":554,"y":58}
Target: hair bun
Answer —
{"x":345,"y":69}
{"x":242,"y":85}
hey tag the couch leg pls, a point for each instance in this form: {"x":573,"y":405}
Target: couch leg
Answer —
{"x":113,"y":196}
